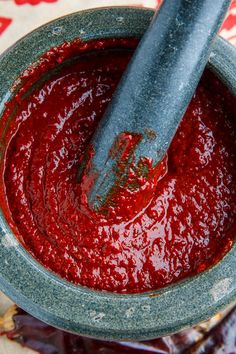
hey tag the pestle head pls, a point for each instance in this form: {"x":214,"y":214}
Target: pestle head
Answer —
{"x":153,"y":94}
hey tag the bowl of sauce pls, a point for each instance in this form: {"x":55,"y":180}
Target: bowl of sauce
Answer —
{"x":161,"y":256}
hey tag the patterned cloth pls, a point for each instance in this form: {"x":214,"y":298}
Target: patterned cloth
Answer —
{"x":18,"y":17}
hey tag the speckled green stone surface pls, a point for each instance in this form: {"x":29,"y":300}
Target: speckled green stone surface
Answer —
{"x":78,"y":309}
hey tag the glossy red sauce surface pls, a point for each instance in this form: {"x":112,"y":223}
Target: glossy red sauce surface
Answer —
{"x":187,"y":223}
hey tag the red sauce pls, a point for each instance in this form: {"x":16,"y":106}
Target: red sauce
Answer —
{"x":186,"y":225}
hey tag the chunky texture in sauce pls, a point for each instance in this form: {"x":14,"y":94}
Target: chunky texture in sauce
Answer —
{"x":186,"y":225}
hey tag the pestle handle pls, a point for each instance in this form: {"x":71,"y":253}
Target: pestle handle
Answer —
{"x":156,"y":88}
